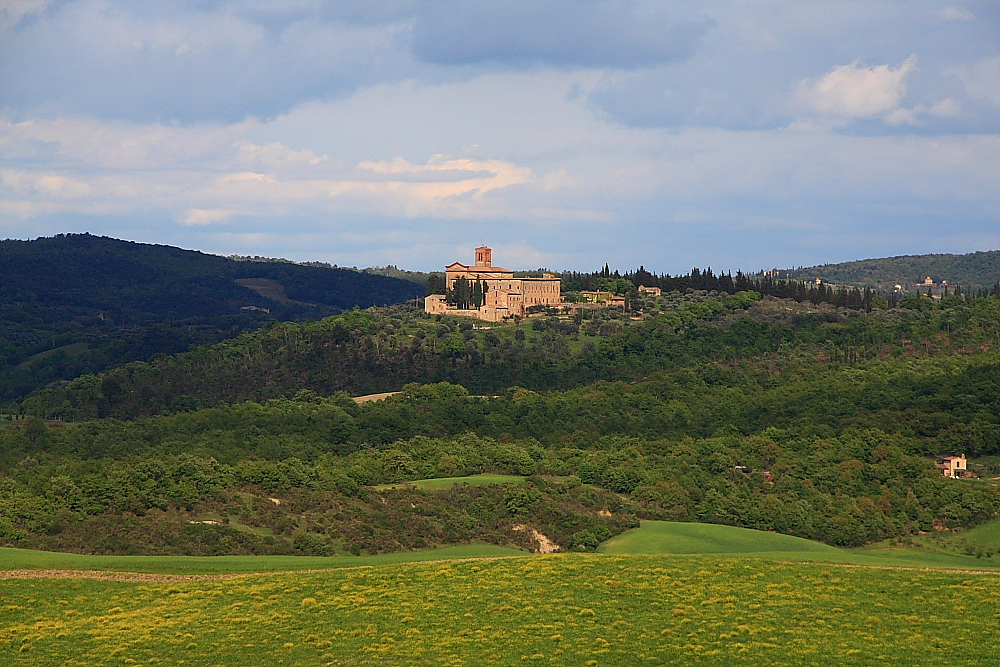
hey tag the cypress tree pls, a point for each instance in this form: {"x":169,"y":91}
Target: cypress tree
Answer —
{"x":477,"y":294}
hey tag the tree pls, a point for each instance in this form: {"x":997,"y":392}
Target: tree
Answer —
{"x":435,"y":284}
{"x":460,"y":295}
{"x":477,"y":294}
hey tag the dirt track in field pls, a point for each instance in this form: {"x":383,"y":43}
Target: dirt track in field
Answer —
{"x":147,"y":577}
{"x":150,"y":577}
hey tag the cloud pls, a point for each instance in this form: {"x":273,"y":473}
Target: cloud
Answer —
{"x":946,"y":107}
{"x":982,"y":80}
{"x":201,"y":216}
{"x":957,"y":14}
{"x":12,"y":12}
{"x":279,"y":15}
{"x":208,"y":175}
{"x":166,"y":61}
{"x":565,"y":33}
{"x":855,"y":91}
{"x":637,"y":130}
{"x":663,"y":65}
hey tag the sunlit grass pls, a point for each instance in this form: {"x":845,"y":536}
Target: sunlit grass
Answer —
{"x":667,"y":537}
{"x":440,"y":483}
{"x":14,"y":559}
{"x":571,"y":609}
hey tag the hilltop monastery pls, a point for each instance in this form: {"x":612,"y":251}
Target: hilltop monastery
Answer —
{"x":507,"y":296}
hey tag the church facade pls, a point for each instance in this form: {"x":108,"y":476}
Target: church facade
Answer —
{"x":505,"y":296}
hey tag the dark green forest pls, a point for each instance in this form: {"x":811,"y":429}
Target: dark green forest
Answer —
{"x":808,"y":419}
{"x":77,"y":304}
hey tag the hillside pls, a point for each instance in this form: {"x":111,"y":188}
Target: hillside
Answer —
{"x":763,"y":414}
{"x":75,"y":304}
{"x":367,"y":352}
{"x":978,"y":270}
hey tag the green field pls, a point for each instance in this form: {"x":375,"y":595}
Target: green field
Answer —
{"x":653,"y":537}
{"x":14,"y":559}
{"x":665,"y":593}
{"x":440,"y":483}
{"x":666,"y":537}
{"x":570,"y":609}
{"x":983,"y":540}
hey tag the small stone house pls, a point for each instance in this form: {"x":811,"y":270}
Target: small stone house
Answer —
{"x":954,"y":466}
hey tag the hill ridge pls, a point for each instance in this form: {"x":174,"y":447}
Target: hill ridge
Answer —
{"x":980,"y":269}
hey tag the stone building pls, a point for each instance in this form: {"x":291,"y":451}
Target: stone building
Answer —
{"x":954,"y":466}
{"x":506,"y":297}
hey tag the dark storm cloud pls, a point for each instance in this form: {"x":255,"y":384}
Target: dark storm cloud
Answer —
{"x":558,"y":32}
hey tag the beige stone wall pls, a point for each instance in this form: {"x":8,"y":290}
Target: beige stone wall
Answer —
{"x":507,"y":296}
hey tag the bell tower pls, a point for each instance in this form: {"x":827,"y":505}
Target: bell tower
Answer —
{"x":484,"y":256}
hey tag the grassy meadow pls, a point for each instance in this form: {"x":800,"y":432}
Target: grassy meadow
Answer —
{"x":442,"y":483}
{"x":668,"y":537}
{"x":569,"y":609}
{"x":27,"y":559}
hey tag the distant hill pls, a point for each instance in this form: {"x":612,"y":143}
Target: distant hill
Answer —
{"x":975,"y":270}
{"x":77,"y":303}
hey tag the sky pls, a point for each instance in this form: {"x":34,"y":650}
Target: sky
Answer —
{"x":562,"y":133}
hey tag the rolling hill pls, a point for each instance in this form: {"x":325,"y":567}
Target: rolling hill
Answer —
{"x":77,"y":303}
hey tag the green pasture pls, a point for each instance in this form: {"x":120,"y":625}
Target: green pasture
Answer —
{"x":983,"y":540}
{"x":667,"y":537}
{"x":987,"y":533}
{"x":653,"y":537}
{"x":441,"y":483}
{"x":17,"y":559}
{"x":565,"y":609}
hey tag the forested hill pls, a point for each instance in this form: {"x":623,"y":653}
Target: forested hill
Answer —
{"x":78,"y":303}
{"x":366,"y":352}
{"x":974,"y":270}
{"x":820,"y":424}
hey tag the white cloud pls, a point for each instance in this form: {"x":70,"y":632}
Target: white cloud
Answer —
{"x":903,"y":116}
{"x":982,"y":80}
{"x":201,"y":216}
{"x":856,"y":91}
{"x":957,"y":14}
{"x":206,"y":175}
{"x":314,"y":127}
{"x":946,"y":107}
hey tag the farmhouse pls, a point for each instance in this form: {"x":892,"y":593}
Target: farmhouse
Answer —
{"x":953,"y":466}
{"x":503,"y":295}
{"x":653,"y":291}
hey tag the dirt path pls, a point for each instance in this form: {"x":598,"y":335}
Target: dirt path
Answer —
{"x":148,"y":577}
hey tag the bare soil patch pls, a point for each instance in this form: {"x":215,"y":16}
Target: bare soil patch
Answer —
{"x":374,"y":397}
{"x":545,"y":545}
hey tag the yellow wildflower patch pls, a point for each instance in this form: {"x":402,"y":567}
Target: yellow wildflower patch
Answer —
{"x":557,"y":609}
